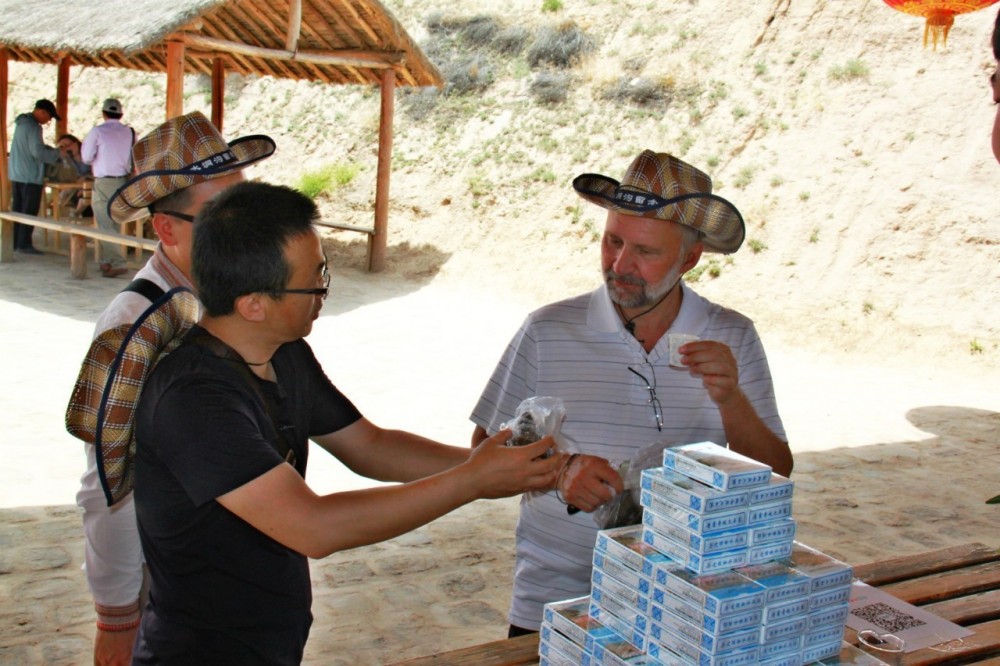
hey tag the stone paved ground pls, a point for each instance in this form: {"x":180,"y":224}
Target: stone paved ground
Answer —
{"x":897,"y":462}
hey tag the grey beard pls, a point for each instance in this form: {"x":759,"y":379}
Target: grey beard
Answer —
{"x":647,"y":295}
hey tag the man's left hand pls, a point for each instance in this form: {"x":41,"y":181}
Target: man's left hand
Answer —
{"x":715,"y":364}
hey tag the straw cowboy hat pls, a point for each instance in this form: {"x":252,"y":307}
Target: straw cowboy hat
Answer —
{"x":102,"y":407}
{"x":660,"y":186}
{"x":182,"y":152}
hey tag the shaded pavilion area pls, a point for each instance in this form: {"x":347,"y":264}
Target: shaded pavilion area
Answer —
{"x":338,"y":42}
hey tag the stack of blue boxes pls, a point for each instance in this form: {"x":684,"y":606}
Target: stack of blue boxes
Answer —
{"x":711,"y":577}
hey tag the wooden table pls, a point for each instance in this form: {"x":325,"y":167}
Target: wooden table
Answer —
{"x":960,"y":584}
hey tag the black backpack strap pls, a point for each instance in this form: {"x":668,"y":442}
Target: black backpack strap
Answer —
{"x":144,"y":287}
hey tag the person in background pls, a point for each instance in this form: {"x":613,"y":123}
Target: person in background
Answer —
{"x":995,"y":86}
{"x":172,"y":184}
{"x":70,"y":168}
{"x":226,"y":519}
{"x":28,"y":157}
{"x":108,"y":150}
{"x":607,"y":355}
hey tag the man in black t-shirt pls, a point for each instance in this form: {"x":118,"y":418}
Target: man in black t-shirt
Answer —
{"x":225,"y":517}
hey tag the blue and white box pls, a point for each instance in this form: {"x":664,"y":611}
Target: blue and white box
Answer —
{"x":696,"y":522}
{"x":612,"y":566}
{"x":824,"y":571}
{"x":625,"y":592}
{"x":667,"y":605}
{"x":778,"y":488}
{"x":777,"y":631}
{"x":786,"y":610}
{"x":836,"y":614}
{"x":716,"y":466}
{"x":779,"y":530}
{"x":700,"y":564}
{"x":602,"y":600}
{"x":676,"y":645}
{"x":767,"y":513}
{"x":703,"y":544}
{"x":779,"y":581}
{"x":625,"y":543}
{"x":833,"y":596}
{"x":563,"y":644}
{"x":621,"y":627}
{"x":691,"y":494}
{"x":790,"y":645}
{"x":551,"y":656}
{"x":618,"y":652}
{"x":572,"y":619}
{"x":719,"y":594}
{"x":766,"y":552}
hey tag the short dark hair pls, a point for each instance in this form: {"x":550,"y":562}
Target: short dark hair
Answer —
{"x":996,"y":38}
{"x":240,"y":239}
{"x":112,"y":116}
{"x":70,"y":137}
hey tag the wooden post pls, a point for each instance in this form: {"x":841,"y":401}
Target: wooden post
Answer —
{"x":78,"y":256}
{"x":218,"y":91}
{"x":378,"y":241}
{"x":7,"y":230}
{"x":62,"y":95}
{"x":175,"y":79}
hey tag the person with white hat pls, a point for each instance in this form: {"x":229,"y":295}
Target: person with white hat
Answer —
{"x":179,"y":166}
{"x":107,"y":148}
{"x":641,"y":360}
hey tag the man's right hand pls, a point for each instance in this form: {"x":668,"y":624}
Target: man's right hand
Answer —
{"x":501,"y":471}
{"x":114,"y":648}
{"x":588,"y":482}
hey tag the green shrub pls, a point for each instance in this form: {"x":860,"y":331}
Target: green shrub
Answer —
{"x":853,"y":69}
{"x":551,"y":5}
{"x":325,"y":179}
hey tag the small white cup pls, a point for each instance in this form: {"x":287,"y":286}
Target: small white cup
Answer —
{"x":675,"y":341}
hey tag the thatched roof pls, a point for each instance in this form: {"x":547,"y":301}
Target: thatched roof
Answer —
{"x":339,"y":41}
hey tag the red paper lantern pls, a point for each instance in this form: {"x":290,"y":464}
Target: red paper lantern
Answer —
{"x":940,"y":14}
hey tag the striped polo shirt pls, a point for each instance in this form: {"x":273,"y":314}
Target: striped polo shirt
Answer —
{"x":579,"y":350}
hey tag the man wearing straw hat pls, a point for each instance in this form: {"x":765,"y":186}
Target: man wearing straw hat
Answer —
{"x":641,"y":360}
{"x":179,"y":166}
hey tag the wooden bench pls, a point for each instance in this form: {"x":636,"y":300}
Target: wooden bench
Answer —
{"x":960,"y":584}
{"x":78,"y":235}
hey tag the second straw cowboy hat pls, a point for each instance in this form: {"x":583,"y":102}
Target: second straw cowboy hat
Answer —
{"x":182,"y":152}
{"x":660,"y":186}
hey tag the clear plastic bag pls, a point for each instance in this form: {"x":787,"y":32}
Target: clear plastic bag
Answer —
{"x":624,"y":509}
{"x":535,"y":418}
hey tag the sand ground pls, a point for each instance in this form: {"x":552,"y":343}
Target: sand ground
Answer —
{"x":892,"y":457}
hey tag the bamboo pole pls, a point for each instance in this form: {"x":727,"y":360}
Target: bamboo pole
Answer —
{"x":218,"y":91}
{"x":294,"y":25}
{"x":373,"y":59}
{"x":175,"y":79}
{"x":7,"y":246}
{"x":378,"y":241}
{"x":62,"y":95}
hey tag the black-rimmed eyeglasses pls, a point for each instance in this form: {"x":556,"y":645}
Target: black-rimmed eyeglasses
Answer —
{"x":179,"y":216}
{"x":651,"y":387}
{"x":317,"y":291}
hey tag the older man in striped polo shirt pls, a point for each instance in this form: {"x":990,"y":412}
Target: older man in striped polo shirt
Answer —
{"x":607,"y":355}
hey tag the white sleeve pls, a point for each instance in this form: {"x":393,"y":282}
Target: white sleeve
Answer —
{"x":113,"y":557}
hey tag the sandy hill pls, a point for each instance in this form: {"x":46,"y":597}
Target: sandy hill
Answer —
{"x":860,"y":159}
